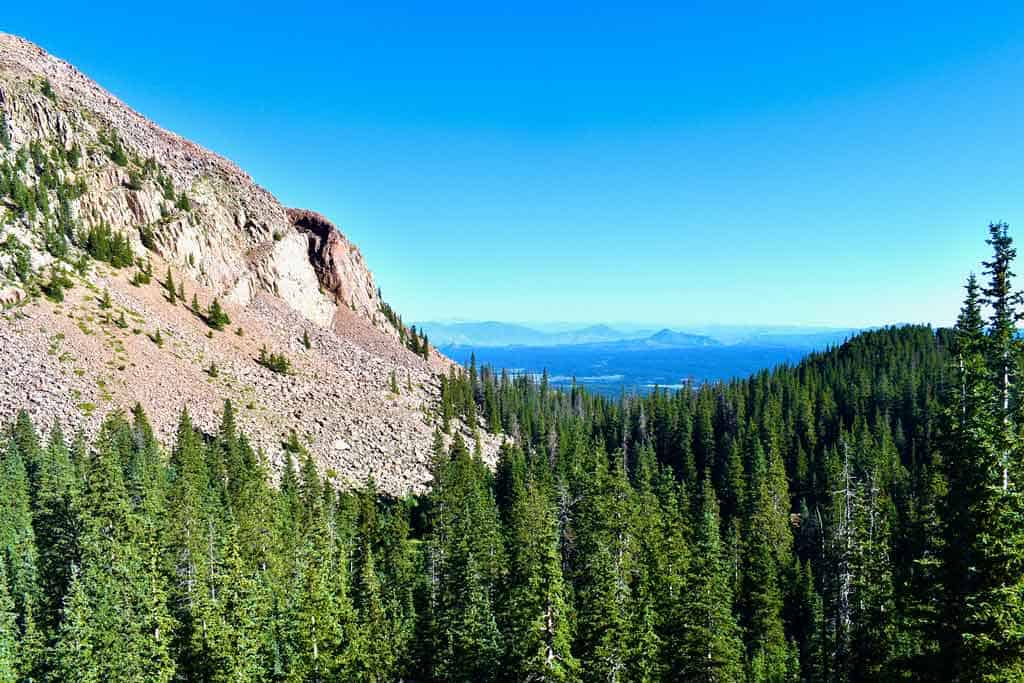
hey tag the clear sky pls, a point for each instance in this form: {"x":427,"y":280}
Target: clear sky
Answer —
{"x":681,"y":162}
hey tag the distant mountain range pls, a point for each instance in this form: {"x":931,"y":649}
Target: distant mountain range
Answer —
{"x":499,"y":334}
{"x":494,"y":333}
{"x":607,"y":359}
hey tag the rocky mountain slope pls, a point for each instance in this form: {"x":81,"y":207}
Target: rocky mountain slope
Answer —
{"x":95,"y":200}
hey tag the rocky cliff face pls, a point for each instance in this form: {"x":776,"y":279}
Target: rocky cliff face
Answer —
{"x":75,"y":161}
{"x":234,"y":236}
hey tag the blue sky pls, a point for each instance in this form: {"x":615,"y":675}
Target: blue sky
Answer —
{"x":676,"y":163}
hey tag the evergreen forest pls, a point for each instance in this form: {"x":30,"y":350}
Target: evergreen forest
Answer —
{"x":858,"y":516}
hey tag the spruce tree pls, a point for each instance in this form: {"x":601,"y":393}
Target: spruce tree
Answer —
{"x":985,"y":540}
{"x":239,"y":635}
{"x":466,"y":559}
{"x":74,"y":655}
{"x":5,"y":131}
{"x":172,"y":293}
{"x":377,"y":655}
{"x":17,"y":538}
{"x":321,"y":635}
{"x":712,"y":649}
{"x":8,"y":632}
{"x":601,"y":580}
{"x":56,"y":526}
{"x":216,"y":317}
{"x":762,"y":590}
{"x":190,"y":559}
{"x":536,"y":618}
{"x":128,"y":625}
{"x":652,"y":574}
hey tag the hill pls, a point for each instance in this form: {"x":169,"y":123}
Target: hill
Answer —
{"x":99,"y":207}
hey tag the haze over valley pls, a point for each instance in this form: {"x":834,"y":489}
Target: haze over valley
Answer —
{"x":610,"y":359}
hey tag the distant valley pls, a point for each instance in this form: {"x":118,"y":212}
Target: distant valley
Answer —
{"x":607,"y":359}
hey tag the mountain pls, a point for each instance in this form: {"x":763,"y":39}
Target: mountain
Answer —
{"x":493,"y":334}
{"x":669,"y":338}
{"x":485,"y":334}
{"x":93,"y":196}
{"x":489,"y":333}
{"x":807,"y":337}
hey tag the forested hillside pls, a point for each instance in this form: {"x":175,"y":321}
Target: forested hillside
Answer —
{"x":853,"y":517}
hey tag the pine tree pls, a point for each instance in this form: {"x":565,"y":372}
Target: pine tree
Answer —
{"x":466,"y":560}
{"x":536,"y":619}
{"x":17,"y":538}
{"x":56,"y":527}
{"x":74,"y":655}
{"x":321,"y":636}
{"x":762,"y":591}
{"x":712,"y":650}
{"x":601,"y":581}
{"x":172,"y":293}
{"x":8,"y":632}
{"x":238,"y":636}
{"x":190,"y":562}
{"x":5,"y":131}
{"x":377,"y":656}
{"x":984,"y":540}
{"x":216,"y":317}
{"x":124,"y":593}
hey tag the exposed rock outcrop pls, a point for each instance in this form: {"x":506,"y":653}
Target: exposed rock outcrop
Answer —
{"x":234,"y":237}
{"x":339,"y":266}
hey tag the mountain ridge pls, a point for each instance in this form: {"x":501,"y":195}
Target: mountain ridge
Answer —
{"x":101,"y":209}
{"x":493,"y":333}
